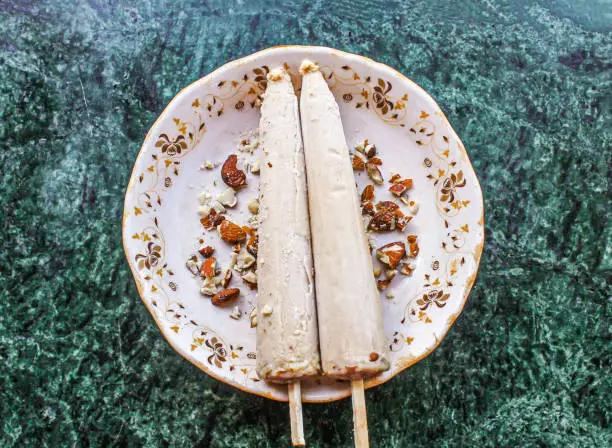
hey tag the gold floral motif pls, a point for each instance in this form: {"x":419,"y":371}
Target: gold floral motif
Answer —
{"x":434,"y":296}
{"x":380,"y":96}
{"x":171,"y":147}
{"x":450,"y":185}
{"x":248,"y":90}
{"x":150,"y":258}
{"x":369,"y":94}
{"x":219,"y":353}
{"x":234,"y":358}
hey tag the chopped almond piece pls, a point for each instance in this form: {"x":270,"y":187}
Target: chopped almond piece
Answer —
{"x":368,"y":209}
{"x":391,"y":254}
{"x":230,"y":232}
{"x":358,"y":163}
{"x":368,"y":193}
{"x":231,"y":175}
{"x":383,"y":221}
{"x":397,"y":189}
{"x":227,"y":278}
{"x":407,"y":183}
{"x":252,"y":245}
{"x":414,"y":249}
{"x":212,"y":220}
{"x":395,"y":178}
{"x":374,"y":173}
{"x":401,"y":220}
{"x":369,"y":151}
{"x":206,"y":251}
{"x":406,"y":269}
{"x":383,"y":284}
{"x":208,"y":268}
{"x":390,"y":205}
{"x":226,"y":297}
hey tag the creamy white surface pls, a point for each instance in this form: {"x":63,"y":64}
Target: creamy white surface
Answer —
{"x":352,"y":340}
{"x":287,"y":340}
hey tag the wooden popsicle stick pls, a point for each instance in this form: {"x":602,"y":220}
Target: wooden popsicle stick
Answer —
{"x":360,"y":416}
{"x":295,"y":413}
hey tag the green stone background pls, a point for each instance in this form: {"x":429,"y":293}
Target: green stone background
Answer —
{"x":528,"y":87}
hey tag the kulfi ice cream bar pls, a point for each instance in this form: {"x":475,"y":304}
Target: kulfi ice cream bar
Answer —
{"x":351,"y":334}
{"x":287,"y":340}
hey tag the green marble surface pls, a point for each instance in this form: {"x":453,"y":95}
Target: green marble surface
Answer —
{"x":527,"y":85}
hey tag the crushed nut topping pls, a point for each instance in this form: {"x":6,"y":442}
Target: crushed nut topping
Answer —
{"x":383,"y":284}
{"x":407,"y":183}
{"x":391,"y":254}
{"x":358,"y":163}
{"x":206,"y":251}
{"x":253,"y":221}
{"x":254,"y":206}
{"x":236,"y":313}
{"x":386,"y":216}
{"x":395,"y":178}
{"x":209,"y":288}
{"x":225,"y":297}
{"x":255,"y":166}
{"x":228,"y":198}
{"x":368,"y":209}
{"x":413,"y":207}
{"x":244,"y":261}
{"x":382,"y":221}
{"x":374,"y":173}
{"x":389,"y":205}
{"x":208,"y":267}
{"x":413,"y":249}
{"x":407,"y":268}
{"x":401,"y":220}
{"x":250,"y":278}
{"x":212,"y":220}
{"x":227,"y":278}
{"x":193,"y":266}
{"x":253,"y":244}
{"x":233,"y":260}
{"x":204,"y":210}
{"x":368,"y":193}
{"x":230,"y":232}
{"x":369,"y":151}
{"x":397,"y":189}
{"x":231,"y":175}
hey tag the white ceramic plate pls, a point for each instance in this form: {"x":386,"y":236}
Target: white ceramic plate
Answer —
{"x":207,"y":120}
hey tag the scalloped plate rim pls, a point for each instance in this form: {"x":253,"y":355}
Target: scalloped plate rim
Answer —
{"x":372,"y":382}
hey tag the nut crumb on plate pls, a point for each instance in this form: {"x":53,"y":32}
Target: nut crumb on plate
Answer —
{"x":228,"y":198}
{"x":236,"y":313}
{"x":225,"y":297}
